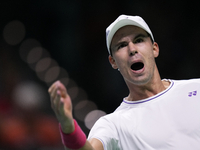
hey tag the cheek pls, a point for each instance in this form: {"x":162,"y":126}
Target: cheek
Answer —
{"x":119,"y":64}
{"x":149,"y":52}
{"x":151,"y":63}
{"x":150,"y":58}
{"x":120,"y":60}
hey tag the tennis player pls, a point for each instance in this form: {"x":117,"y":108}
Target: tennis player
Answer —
{"x":156,"y":115}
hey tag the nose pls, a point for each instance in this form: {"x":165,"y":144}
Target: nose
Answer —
{"x":132,"y":49}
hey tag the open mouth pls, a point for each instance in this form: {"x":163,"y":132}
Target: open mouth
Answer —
{"x":137,"y":66}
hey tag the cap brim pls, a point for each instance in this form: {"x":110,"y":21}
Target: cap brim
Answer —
{"x":120,"y":24}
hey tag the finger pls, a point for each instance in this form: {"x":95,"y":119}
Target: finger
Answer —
{"x":63,"y":90}
{"x":60,"y":106}
{"x":56,"y":102}
{"x":55,"y":97}
{"x":53,"y":86}
{"x":54,"y":92}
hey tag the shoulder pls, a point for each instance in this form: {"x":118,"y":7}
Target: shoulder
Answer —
{"x":104,"y":125}
{"x":108,"y":119}
{"x":187,"y":81}
{"x":181,"y":86}
{"x":105,"y":131}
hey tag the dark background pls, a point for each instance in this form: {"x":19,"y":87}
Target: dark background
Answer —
{"x":73,"y":32}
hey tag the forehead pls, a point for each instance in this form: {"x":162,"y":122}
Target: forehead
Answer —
{"x":127,"y":30}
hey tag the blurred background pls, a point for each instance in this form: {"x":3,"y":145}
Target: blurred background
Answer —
{"x":42,"y":41}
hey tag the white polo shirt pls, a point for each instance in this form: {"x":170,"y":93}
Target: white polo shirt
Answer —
{"x":169,"y":120}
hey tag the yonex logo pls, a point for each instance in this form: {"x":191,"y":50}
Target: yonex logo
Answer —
{"x":194,"y":93}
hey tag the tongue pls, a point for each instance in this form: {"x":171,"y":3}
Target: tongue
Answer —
{"x":137,"y":66}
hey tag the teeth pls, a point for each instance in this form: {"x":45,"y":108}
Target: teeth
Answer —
{"x":137,"y":66}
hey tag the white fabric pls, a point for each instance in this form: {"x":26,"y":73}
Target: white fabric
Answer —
{"x":169,"y":120}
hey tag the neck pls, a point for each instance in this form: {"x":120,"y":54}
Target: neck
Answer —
{"x":153,"y":87}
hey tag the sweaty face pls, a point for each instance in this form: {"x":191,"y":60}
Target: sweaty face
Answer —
{"x":134,"y":54}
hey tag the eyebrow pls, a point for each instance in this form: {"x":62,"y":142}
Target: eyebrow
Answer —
{"x":137,"y":36}
{"x":141,"y":35}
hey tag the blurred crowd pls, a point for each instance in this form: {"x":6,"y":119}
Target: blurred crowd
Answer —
{"x":25,"y":121}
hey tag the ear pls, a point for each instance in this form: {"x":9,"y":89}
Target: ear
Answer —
{"x":155,"y":49}
{"x":112,"y":62}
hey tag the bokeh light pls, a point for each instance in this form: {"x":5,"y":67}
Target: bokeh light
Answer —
{"x":43,"y":64}
{"x":29,"y":95}
{"x":83,"y":108}
{"x":52,"y":74}
{"x":14,"y":132}
{"x":26,"y":46}
{"x":73,"y":92}
{"x":92,"y":117}
{"x":34,"y":55}
{"x":14,"y":32}
{"x":64,"y":80}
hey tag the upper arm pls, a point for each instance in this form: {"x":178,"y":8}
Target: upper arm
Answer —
{"x":96,"y":144}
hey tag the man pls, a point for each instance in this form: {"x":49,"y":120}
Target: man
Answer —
{"x":156,"y":115}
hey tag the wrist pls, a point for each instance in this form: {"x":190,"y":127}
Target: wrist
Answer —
{"x":67,"y":127}
{"x":74,"y":140}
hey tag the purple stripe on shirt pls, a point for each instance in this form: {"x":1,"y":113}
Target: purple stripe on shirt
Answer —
{"x":153,"y":97}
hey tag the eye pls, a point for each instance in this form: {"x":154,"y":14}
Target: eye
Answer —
{"x":122,"y":45}
{"x":139,"y":40}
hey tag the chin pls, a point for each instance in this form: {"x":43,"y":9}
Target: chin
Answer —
{"x":141,"y":81}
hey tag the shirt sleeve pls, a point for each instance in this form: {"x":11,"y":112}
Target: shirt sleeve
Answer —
{"x":105,"y":131}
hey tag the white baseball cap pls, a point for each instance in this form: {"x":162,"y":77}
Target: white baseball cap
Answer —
{"x":124,"y":20}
